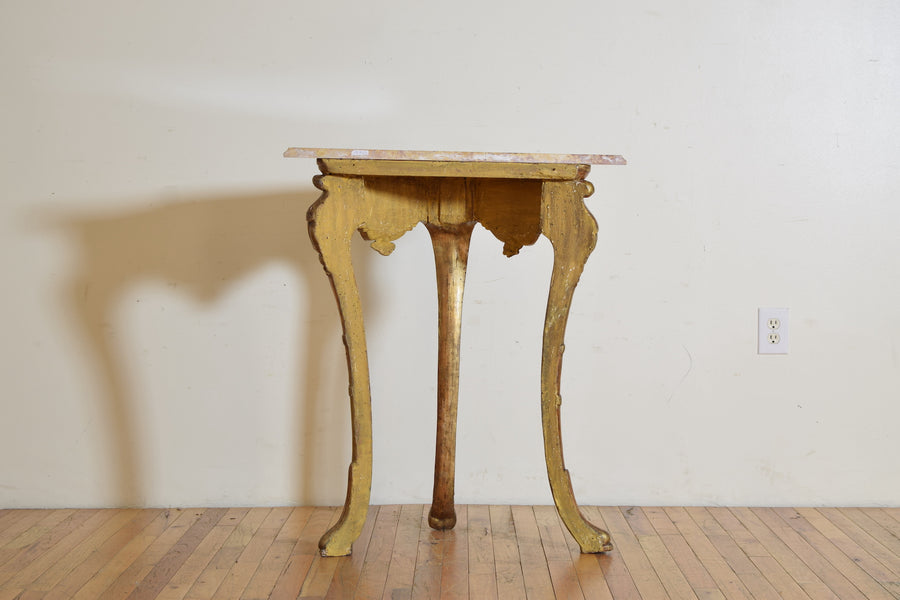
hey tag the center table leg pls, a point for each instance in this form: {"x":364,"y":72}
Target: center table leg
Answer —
{"x":451,"y":252}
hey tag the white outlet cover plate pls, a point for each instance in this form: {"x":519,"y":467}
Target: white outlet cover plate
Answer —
{"x":764,"y":344}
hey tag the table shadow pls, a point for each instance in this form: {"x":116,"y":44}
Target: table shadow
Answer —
{"x":200,"y":246}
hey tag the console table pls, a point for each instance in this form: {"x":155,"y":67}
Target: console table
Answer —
{"x":382,"y":194}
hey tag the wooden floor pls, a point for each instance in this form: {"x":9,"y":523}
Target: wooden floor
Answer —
{"x":494,"y":552}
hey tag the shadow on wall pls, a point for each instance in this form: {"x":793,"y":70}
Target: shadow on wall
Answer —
{"x":202,"y":245}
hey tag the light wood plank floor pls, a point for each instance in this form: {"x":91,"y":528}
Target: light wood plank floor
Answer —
{"x":495,"y":552}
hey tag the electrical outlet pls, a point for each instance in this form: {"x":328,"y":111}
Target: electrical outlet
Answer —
{"x":773,"y":331}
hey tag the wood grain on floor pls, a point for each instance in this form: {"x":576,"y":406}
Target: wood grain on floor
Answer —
{"x":503,"y":552}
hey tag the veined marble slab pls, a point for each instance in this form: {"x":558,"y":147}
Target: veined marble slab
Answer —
{"x":500,"y":157}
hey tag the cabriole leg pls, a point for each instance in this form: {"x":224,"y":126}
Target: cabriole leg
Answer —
{"x":572,"y":230}
{"x":332,"y":221}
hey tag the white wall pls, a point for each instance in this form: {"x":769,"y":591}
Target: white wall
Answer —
{"x":169,"y":338}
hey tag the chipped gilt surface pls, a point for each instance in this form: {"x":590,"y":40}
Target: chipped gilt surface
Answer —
{"x":514,"y":196}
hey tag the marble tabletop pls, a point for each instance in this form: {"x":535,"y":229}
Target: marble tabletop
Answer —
{"x":427,"y":155}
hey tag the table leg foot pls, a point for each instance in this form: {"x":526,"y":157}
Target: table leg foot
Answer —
{"x":441,"y":521}
{"x":572,"y":231}
{"x":338,"y":540}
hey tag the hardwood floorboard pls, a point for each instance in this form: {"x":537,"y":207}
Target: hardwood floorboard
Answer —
{"x":33,"y":553}
{"x":746,"y":570}
{"x":853,"y":571}
{"x":5,"y":515}
{"x":79,"y":568}
{"x":183,"y":579}
{"x":66,"y":577}
{"x":535,"y":571}
{"x":587,"y":567}
{"x":18,"y":523}
{"x":322,"y":569}
{"x":894,"y":514}
{"x":563,"y":575}
{"x":110,"y":572}
{"x":250,"y":559}
{"x":697,"y":576}
{"x":504,"y":552}
{"x":618,"y":578}
{"x":221,"y":563}
{"x":49,"y":520}
{"x":29,"y":573}
{"x":455,"y":561}
{"x":374,"y":573}
{"x":671,"y":577}
{"x":796,"y":567}
{"x":432,"y":544}
{"x":347,"y":575}
{"x":402,"y":568}
{"x":482,"y":569}
{"x":510,"y":579}
{"x":306,"y":551}
{"x":784,"y":585}
{"x":877,"y":524}
{"x":638,"y":565}
{"x":162,"y":556}
{"x":844,"y":525}
{"x":263,"y":582}
{"x":836,"y":581}
{"x":871,"y":556}
{"x":724,"y":575}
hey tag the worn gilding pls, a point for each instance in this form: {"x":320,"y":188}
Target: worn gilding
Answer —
{"x":385,"y":196}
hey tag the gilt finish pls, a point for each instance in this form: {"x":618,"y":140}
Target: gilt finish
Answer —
{"x":383,"y":198}
{"x":451,"y":253}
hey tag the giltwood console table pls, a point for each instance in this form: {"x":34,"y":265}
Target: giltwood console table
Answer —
{"x":383,"y":194}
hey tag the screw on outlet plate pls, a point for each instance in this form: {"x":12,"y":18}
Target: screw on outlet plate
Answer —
{"x":772,"y":331}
